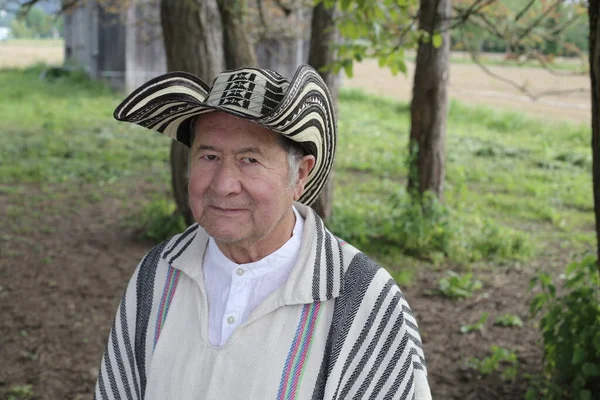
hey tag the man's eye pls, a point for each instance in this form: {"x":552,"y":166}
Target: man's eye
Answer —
{"x":210,"y":157}
{"x":249,"y":160}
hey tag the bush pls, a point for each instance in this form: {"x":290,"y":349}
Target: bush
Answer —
{"x":425,"y":228}
{"x":570,"y":327}
{"x":500,"y":359}
{"x":159,"y":220}
{"x":456,"y":286}
{"x":419,"y":227}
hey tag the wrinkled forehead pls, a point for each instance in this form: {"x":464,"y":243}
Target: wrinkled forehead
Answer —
{"x":228,"y":129}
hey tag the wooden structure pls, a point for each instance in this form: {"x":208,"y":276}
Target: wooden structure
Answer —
{"x":127,"y":50}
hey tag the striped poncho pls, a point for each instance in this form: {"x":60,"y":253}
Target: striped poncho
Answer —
{"x":339,"y":328}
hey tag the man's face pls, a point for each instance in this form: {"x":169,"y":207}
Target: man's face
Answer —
{"x":238,"y":182}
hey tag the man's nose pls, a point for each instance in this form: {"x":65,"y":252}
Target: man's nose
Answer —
{"x":227,"y":180}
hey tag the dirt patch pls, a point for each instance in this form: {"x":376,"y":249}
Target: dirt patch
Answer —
{"x":62,"y":278}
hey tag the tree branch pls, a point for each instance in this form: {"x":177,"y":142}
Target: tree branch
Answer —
{"x":524,"y":10}
{"x":464,"y":15}
{"x":29,"y":4}
{"x":521,"y":88}
{"x":539,"y":19}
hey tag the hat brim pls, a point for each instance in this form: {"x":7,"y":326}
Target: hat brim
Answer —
{"x":301,"y":110}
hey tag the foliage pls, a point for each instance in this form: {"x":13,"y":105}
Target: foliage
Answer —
{"x":509,"y":320}
{"x":36,"y":24}
{"x":427,"y":229}
{"x":563,"y":31}
{"x":569,"y":327}
{"x":378,"y":29}
{"x":532,"y":29}
{"x":385,"y":29}
{"x":420,"y":227}
{"x":499,"y":359}
{"x":477,"y":326}
{"x":159,"y":220}
{"x":456,"y":286}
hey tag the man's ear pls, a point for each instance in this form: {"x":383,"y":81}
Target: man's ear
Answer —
{"x":305,"y":165}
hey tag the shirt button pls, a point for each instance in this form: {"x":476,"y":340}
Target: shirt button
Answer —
{"x":230,"y":319}
{"x":240,"y":271}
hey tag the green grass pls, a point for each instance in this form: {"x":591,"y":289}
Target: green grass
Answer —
{"x":514,"y":185}
{"x":62,"y":131}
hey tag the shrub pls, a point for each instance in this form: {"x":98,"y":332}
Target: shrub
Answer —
{"x":499,"y":359}
{"x":159,"y":220}
{"x":423,"y":227}
{"x":420,"y":226}
{"x":570,"y":327}
{"x":509,"y":320}
{"x":456,"y":286}
{"x":478,"y":326}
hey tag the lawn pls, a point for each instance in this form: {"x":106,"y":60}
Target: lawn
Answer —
{"x":517,"y":199}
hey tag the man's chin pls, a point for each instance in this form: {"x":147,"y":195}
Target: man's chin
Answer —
{"x":226,"y":236}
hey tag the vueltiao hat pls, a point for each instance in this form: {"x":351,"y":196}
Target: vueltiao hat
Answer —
{"x":300,"y":109}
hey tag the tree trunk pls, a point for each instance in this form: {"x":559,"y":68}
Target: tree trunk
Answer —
{"x":429,"y":108}
{"x":193,"y":37}
{"x":323,"y":36}
{"x":594,"y":16}
{"x":239,"y":48}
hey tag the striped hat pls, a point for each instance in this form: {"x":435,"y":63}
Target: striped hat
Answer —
{"x":300,"y":109}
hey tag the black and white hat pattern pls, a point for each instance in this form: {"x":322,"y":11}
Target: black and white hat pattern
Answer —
{"x":300,"y":109}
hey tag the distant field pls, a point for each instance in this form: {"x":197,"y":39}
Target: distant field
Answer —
{"x":472,"y":86}
{"x":23,"y":52}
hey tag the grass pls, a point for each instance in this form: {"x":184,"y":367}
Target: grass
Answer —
{"x":514,"y":185}
{"x":62,"y":131}
{"x":505,"y":173}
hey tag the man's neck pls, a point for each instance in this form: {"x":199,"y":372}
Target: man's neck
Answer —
{"x":253,"y":250}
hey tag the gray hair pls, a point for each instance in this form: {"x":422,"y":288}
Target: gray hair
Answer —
{"x":295,"y":152}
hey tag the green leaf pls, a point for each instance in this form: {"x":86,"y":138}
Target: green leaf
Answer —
{"x":585,"y":395}
{"x":345,"y":4}
{"x":436,"y":40}
{"x":348,"y":68}
{"x":402,"y":66}
{"x":578,"y":356}
{"x":590,"y":369}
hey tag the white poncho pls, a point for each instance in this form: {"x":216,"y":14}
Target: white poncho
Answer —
{"x":339,"y":328}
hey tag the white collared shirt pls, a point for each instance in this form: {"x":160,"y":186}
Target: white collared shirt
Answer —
{"x":234,"y":290}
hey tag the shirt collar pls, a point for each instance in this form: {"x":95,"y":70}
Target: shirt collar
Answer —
{"x":317,"y":275}
{"x":286,"y":254}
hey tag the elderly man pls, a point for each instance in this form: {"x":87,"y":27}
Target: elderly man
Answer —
{"x":258,"y":300}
